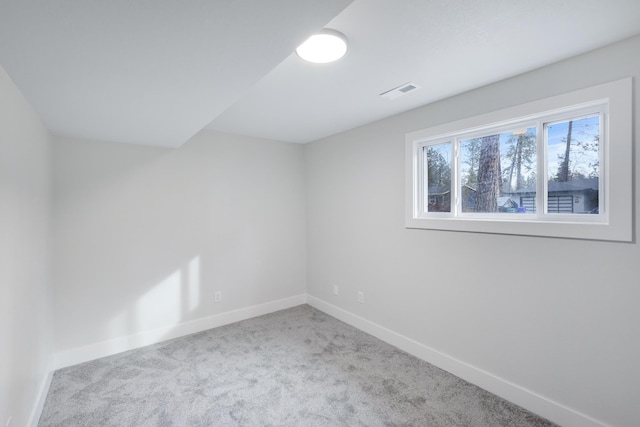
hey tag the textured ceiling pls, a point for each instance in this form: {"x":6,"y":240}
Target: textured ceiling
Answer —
{"x":157,"y":72}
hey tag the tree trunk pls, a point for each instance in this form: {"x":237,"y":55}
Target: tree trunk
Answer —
{"x":563,"y":170}
{"x":489,"y":175}
{"x":519,"y":162}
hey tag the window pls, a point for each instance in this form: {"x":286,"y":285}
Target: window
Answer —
{"x":556,"y":167}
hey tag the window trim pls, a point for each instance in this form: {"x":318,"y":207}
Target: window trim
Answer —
{"x":615,"y":182}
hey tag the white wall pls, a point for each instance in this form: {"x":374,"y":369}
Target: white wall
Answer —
{"x":565,"y":329}
{"x":25,"y":201}
{"x":144,"y":236}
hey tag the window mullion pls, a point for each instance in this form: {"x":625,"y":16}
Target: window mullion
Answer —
{"x":455,"y":178}
{"x":603,"y":159}
{"x":422,"y":180}
{"x":541,"y":170}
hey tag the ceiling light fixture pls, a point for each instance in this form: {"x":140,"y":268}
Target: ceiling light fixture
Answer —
{"x":326,"y":46}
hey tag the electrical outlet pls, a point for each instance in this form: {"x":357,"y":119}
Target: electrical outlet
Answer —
{"x":217,"y":296}
{"x":336,"y":291}
{"x":361,"y":297}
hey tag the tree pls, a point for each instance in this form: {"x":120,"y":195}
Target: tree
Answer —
{"x":594,"y":164}
{"x":438,"y":168}
{"x":439,"y":178}
{"x":521,"y":153}
{"x":580,"y":156}
{"x":563,"y":170}
{"x":471,"y":160}
{"x":489,"y":175}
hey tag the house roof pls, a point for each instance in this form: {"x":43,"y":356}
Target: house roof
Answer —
{"x":582,"y":184}
{"x":505,"y":201}
{"x":438,"y":190}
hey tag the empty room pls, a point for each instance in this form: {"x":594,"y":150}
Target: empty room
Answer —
{"x":319,"y":213}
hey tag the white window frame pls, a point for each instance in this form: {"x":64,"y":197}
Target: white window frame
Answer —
{"x":613,"y":101}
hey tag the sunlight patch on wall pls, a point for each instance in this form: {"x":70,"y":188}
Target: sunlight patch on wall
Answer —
{"x":160,"y":306}
{"x":194,"y":283}
{"x":169,"y":302}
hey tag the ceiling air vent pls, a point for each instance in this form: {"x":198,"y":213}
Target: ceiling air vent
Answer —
{"x":399,"y":91}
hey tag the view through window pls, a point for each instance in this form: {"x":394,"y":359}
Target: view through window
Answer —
{"x":558,"y":166}
{"x":498,"y":169}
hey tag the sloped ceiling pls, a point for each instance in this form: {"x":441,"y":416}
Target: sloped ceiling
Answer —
{"x":157,"y":72}
{"x":147,"y":71}
{"x":445,"y":47}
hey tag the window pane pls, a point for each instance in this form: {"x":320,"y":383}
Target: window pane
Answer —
{"x":438,"y":177}
{"x":574,"y":165}
{"x":498,"y":172}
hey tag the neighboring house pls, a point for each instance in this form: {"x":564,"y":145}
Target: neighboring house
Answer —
{"x":505,"y":203}
{"x":439,"y":198}
{"x":575,"y":196}
{"x":468,"y":198}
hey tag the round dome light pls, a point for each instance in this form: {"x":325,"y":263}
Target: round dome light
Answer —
{"x":326,"y":46}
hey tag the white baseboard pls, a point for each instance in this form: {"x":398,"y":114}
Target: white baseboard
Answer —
{"x":42,"y":397}
{"x":527,"y":399}
{"x":107,"y":348}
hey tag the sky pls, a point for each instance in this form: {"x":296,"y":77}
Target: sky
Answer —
{"x":583,"y":130}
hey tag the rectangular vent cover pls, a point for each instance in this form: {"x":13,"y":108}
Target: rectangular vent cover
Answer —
{"x":399,"y":91}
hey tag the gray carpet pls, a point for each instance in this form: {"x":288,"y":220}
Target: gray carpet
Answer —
{"x":296,"y":367}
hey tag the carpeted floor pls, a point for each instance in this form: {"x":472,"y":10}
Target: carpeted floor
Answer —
{"x":296,"y":367}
